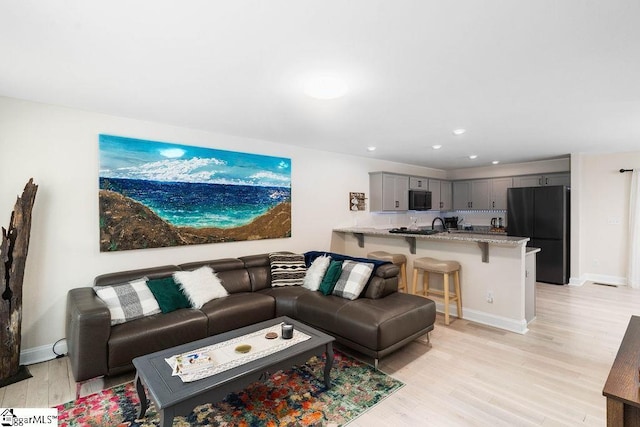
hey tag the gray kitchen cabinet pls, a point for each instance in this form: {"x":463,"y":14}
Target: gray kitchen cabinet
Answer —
{"x":498,"y":192}
{"x":472,"y":194}
{"x":542,"y":180}
{"x":440,"y":194}
{"x":446,"y":202}
{"x":418,"y":183}
{"x":389,"y":192}
{"x":461,"y":195}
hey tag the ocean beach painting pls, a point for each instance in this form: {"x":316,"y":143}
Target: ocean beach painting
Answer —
{"x":157,"y":194}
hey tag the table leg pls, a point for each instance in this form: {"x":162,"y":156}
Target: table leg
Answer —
{"x":142,"y":396}
{"x":328,"y":364}
{"x":166,"y":417}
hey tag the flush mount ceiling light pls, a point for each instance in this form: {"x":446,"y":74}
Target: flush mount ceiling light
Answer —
{"x":436,"y":147}
{"x":371,"y":148}
{"x":473,"y":156}
{"x":459,"y":131}
{"x":325,"y":86}
{"x":495,"y":162}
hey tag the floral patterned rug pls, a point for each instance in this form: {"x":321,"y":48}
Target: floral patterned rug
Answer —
{"x":296,"y":397}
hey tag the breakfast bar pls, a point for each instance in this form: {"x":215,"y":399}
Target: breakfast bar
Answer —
{"x":497,"y":271}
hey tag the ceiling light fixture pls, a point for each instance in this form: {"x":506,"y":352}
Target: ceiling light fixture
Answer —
{"x":371,"y":148}
{"x":473,"y":156}
{"x":436,"y":147}
{"x":325,"y":86}
{"x":495,"y":162}
{"x":459,"y":131}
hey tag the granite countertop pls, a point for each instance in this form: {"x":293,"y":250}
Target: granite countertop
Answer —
{"x":457,"y":235}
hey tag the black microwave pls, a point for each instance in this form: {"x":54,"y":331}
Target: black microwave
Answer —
{"x":419,"y":200}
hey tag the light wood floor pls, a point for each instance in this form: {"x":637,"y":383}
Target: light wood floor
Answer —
{"x":470,"y":374}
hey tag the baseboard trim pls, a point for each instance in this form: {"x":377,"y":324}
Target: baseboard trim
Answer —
{"x":511,"y":325}
{"x":577,"y":281}
{"x":42,"y":353}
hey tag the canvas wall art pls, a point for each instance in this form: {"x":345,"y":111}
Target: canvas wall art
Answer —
{"x":158,"y":194}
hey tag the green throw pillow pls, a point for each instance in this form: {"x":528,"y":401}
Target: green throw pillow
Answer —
{"x":168,"y":294}
{"x":331,"y":277}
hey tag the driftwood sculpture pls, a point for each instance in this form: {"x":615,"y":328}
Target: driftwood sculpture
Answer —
{"x":13,"y":255}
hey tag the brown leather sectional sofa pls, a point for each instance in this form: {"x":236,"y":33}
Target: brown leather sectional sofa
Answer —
{"x":376,"y":324}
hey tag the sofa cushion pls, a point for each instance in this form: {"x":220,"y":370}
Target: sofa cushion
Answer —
{"x":238,"y":310}
{"x":353,"y":279}
{"x":316,"y":272}
{"x":128,"y":301}
{"x":200,"y":285}
{"x":153,"y":333}
{"x":168,"y":294}
{"x":331,"y":277}
{"x":319,"y":310}
{"x":381,"y":323}
{"x":286,"y":297}
{"x":287,"y":269}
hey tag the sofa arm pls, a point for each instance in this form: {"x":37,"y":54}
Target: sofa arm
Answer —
{"x":383,"y":282}
{"x":88,"y":327}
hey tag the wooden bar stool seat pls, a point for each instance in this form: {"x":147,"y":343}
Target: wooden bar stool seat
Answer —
{"x":432,"y":265}
{"x":397,"y":259}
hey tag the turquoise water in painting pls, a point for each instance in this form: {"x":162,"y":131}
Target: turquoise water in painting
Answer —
{"x":186,"y":204}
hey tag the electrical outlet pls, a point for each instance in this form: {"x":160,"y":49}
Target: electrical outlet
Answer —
{"x":490,"y":297}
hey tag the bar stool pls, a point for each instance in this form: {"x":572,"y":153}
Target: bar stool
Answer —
{"x":433,"y":265}
{"x":397,"y":259}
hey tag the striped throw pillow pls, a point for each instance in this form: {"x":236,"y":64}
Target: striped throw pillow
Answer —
{"x":287,"y":269}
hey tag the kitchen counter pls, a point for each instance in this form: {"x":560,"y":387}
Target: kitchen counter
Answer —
{"x":495,"y":274}
{"x":483,"y":240}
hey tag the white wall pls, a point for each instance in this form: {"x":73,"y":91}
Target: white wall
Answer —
{"x":603,"y":215}
{"x":58,"y":147}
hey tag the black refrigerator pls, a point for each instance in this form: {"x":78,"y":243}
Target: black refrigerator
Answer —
{"x":542,"y":214}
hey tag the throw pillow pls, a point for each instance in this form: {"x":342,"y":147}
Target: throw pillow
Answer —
{"x":168,"y":294}
{"x":128,"y":301}
{"x":200,"y":286}
{"x":353,"y":279}
{"x":316,"y":272}
{"x":331,"y":277}
{"x":287,"y":269}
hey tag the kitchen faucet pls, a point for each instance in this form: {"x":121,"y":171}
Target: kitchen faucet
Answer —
{"x":434,"y":223}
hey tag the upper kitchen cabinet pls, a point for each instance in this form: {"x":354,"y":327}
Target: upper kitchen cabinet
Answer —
{"x":418,"y":183}
{"x":542,"y":180}
{"x":498,"y":192}
{"x":471,"y":194}
{"x":389,"y":192}
{"x":440,"y":194}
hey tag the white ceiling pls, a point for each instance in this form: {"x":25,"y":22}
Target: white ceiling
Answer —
{"x":529,"y":80}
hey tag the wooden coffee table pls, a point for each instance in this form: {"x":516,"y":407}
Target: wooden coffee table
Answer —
{"x":173,"y":397}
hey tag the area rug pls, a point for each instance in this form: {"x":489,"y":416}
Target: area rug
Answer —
{"x":297,"y":397}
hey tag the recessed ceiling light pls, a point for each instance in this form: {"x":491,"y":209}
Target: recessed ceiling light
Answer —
{"x":371,"y":148}
{"x":325,"y":86}
{"x":473,"y":156}
{"x":495,"y":162}
{"x":459,"y":131}
{"x":436,"y":147}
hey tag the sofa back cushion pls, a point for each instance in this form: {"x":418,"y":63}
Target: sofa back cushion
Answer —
{"x":127,"y":276}
{"x":259,"y":269}
{"x":231,"y":272}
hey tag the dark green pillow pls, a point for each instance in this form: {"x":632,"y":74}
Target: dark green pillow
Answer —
{"x":168,"y":294}
{"x":331,"y":277}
